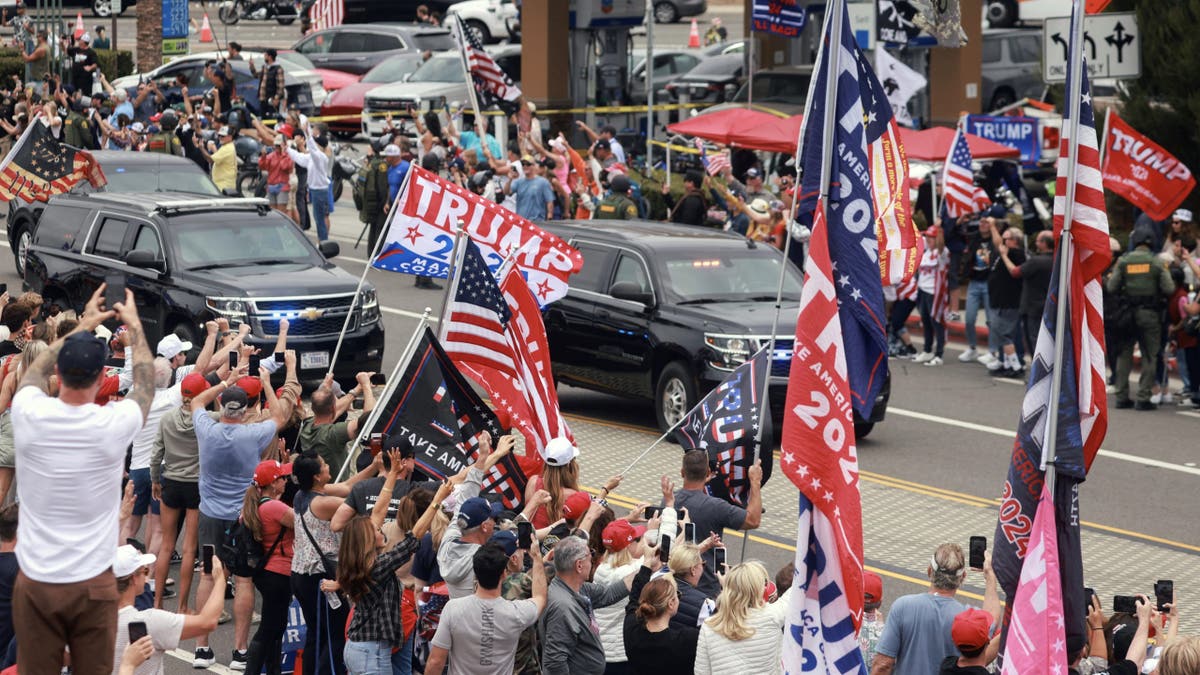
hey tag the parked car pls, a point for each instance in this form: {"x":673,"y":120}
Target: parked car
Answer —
{"x":732,"y":47}
{"x":715,"y":80}
{"x":488,"y":19}
{"x":349,"y":100}
{"x":438,"y":82}
{"x":669,"y":66}
{"x":1006,"y":13}
{"x":1012,"y":67}
{"x":670,"y":11}
{"x":192,"y":259}
{"x":664,"y":313}
{"x":783,"y":90}
{"x":192,"y":67}
{"x":356,"y":48}
{"x":371,"y":11}
{"x":332,"y":80}
{"x":126,"y":172}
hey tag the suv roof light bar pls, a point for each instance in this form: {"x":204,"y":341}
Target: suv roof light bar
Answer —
{"x":204,"y":204}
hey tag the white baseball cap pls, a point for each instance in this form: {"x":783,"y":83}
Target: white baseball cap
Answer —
{"x":1183,"y":214}
{"x":130,"y":560}
{"x":391,"y":150}
{"x":171,"y":345}
{"x":560,"y":451}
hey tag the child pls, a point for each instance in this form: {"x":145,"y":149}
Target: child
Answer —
{"x":872,"y":624}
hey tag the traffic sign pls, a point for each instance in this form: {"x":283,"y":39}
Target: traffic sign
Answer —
{"x":1112,"y":46}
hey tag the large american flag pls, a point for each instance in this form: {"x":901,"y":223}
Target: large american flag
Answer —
{"x":474,"y":332}
{"x":958,"y":181}
{"x":492,"y":84}
{"x":327,"y":14}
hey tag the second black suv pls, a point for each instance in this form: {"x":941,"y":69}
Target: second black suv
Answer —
{"x":189,"y":259}
{"x":665,"y":312}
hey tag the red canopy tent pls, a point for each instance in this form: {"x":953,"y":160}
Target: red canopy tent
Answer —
{"x":779,"y":134}
{"x":933,"y":144}
{"x":720,"y":125}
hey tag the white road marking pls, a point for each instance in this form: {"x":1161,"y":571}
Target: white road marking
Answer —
{"x":187,"y":657}
{"x":1010,"y":433}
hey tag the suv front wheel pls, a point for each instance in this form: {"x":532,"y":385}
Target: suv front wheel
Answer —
{"x":675,"y":394}
{"x":23,"y":239}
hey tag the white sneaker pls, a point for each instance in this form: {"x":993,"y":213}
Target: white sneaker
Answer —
{"x":203,"y":658}
{"x":1156,"y":398}
{"x":970,"y":354}
{"x":924,"y":357}
{"x":1168,"y":397}
{"x":1111,"y":389}
{"x":935,"y":361}
{"x":987,"y":358}
{"x":994,"y":365}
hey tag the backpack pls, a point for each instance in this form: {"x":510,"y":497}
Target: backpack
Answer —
{"x":242,"y":553}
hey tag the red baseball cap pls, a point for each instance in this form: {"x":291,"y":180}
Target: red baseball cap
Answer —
{"x":193,"y":385}
{"x":971,"y":628}
{"x":619,"y":534}
{"x":576,"y":505}
{"x":269,"y":471}
{"x":252,"y":386}
{"x":872,"y":587}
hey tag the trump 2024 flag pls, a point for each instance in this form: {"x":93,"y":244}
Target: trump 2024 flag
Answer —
{"x":1037,"y":635}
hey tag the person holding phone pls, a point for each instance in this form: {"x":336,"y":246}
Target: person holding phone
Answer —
{"x":322,"y":432}
{"x":654,"y":643}
{"x":363,"y":495}
{"x":272,"y":524}
{"x":622,"y":557}
{"x":165,"y":629}
{"x":745,"y":634}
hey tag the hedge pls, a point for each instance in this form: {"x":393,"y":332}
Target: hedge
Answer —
{"x":113,"y":64}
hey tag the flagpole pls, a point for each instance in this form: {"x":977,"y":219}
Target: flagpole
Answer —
{"x":462,"y":55}
{"x":1074,"y":99}
{"x":456,"y":255}
{"x":1104,"y":138}
{"x":648,"y":71}
{"x":388,"y":388}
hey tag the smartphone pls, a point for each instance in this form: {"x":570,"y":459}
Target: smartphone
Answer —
{"x":664,"y":547}
{"x":3,"y":289}
{"x":137,"y":631}
{"x":254,"y":365}
{"x":689,"y":532}
{"x":379,"y":378}
{"x":376,"y":444}
{"x":1125,"y":603}
{"x":114,"y":290}
{"x":1164,"y":593}
{"x":206,"y":556}
{"x":978,"y":547}
{"x":279,"y":357}
{"x":525,"y":535}
{"x":652,"y":511}
{"x":719,"y":557}
{"x":357,"y":404}
{"x":1089,"y":594}
{"x":233,"y":360}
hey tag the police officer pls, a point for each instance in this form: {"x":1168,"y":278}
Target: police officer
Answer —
{"x":77,"y":131}
{"x":1141,"y":281}
{"x":617,"y":205}
{"x":375,"y":195}
{"x":165,"y":141}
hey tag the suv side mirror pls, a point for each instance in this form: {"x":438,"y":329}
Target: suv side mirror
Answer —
{"x":329,"y":249}
{"x":145,"y":260}
{"x":627,"y":290}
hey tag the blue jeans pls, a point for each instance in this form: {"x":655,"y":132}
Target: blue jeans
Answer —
{"x":320,"y":212}
{"x":402,"y":660}
{"x":977,"y":299}
{"x":934,"y":330}
{"x":368,"y":658}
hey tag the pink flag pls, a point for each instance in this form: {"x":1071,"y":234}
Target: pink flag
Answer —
{"x":1036,"y":636}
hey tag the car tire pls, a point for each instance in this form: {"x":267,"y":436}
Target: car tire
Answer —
{"x":230,"y":14}
{"x":22,"y":238}
{"x":665,"y":12}
{"x":286,"y":20}
{"x":480,"y":30}
{"x":337,"y":189}
{"x":1002,"y":13}
{"x":862,"y":430}
{"x":103,"y":8}
{"x":674,"y":394}
{"x":252,"y":185}
{"x":1003,"y":96}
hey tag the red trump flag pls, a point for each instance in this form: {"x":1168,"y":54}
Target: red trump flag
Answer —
{"x":1143,"y":172}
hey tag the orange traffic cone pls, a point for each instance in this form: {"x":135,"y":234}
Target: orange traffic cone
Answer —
{"x":79,"y":31}
{"x":206,"y":34}
{"x":694,"y":36}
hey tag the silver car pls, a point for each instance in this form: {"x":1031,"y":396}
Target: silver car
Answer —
{"x":1012,"y":67}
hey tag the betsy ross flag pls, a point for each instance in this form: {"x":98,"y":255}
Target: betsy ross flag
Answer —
{"x":726,"y":425}
{"x":473,"y":331}
{"x":714,"y":164}
{"x":327,"y":14}
{"x":492,"y":84}
{"x":40,"y":166}
{"x":958,"y":181}
{"x":1082,"y":415}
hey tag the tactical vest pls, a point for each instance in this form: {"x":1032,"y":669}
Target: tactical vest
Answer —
{"x":1140,"y":274}
{"x":164,"y":142}
{"x":615,"y":207}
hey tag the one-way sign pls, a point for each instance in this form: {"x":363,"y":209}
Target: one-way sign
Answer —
{"x":1111,"y":44}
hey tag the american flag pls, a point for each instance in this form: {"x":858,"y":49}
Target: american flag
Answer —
{"x":474,"y":331}
{"x":714,"y":164}
{"x":327,"y":14}
{"x":492,"y":84}
{"x":958,"y":181}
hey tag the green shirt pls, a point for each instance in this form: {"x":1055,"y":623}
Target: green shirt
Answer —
{"x":328,"y":440}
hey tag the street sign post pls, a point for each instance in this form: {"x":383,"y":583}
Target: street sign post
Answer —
{"x":1112,"y":46}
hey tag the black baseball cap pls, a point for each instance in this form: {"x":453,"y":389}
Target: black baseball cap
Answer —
{"x":82,"y":355}
{"x":603,"y":144}
{"x":398,"y":442}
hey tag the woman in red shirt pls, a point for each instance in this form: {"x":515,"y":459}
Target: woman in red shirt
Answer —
{"x":272,"y":523}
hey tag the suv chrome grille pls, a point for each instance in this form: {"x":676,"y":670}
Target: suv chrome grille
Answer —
{"x":307,"y":317}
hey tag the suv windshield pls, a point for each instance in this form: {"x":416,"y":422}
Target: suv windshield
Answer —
{"x":391,"y":70}
{"x":733,"y":275}
{"x":432,"y":42}
{"x":247,"y":239}
{"x":777,"y":88}
{"x":152,"y":178}
{"x":297,"y":59}
{"x":439,"y":69}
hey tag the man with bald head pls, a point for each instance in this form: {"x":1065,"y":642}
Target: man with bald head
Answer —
{"x":322,"y":432}
{"x":1034,"y":274}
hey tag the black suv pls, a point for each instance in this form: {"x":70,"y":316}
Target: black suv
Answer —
{"x":665,"y":312}
{"x":190,"y":259}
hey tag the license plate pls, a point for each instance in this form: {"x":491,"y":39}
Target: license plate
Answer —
{"x":312,"y":360}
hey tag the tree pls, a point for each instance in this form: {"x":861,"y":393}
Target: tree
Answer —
{"x":149,"y":36}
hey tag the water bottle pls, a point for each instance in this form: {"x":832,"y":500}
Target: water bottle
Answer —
{"x":332,"y":598}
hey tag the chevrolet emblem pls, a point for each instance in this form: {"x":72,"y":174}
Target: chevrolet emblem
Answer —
{"x":312,"y":313}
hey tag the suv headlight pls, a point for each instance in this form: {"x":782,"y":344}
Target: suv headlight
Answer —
{"x":233,"y":309}
{"x":731,"y":350}
{"x":369,"y":301}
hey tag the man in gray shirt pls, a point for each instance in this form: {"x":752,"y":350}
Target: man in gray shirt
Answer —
{"x":571,"y":636}
{"x":711,"y":514}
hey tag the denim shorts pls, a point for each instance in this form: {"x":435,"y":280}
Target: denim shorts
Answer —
{"x":142,"y":497}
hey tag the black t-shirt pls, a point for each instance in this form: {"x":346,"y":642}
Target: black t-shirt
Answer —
{"x":1004,"y":290}
{"x":425,"y":564}
{"x":80,"y":58}
{"x":1124,"y":667}
{"x":978,"y":257}
{"x":950,"y":667}
{"x":7,"y":347}
{"x":224,"y":94}
{"x":668,"y":652}
{"x":365,"y":493}
{"x":8,"y":577}
{"x":1035,"y":283}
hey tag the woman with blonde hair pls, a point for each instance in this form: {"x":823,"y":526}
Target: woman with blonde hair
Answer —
{"x":745,"y":634}
{"x":653,"y":643}
{"x":560,"y":478}
{"x":687,"y":566}
{"x":1180,"y":656}
{"x":622,"y":557}
{"x":933,"y":295}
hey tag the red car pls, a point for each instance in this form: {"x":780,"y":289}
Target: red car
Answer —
{"x":332,"y":79}
{"x":348,"y":100}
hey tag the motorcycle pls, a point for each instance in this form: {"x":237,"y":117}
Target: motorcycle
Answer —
{"x":283,"y":11}
{"x":346,"y":163}
{"x":251,"y":181}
